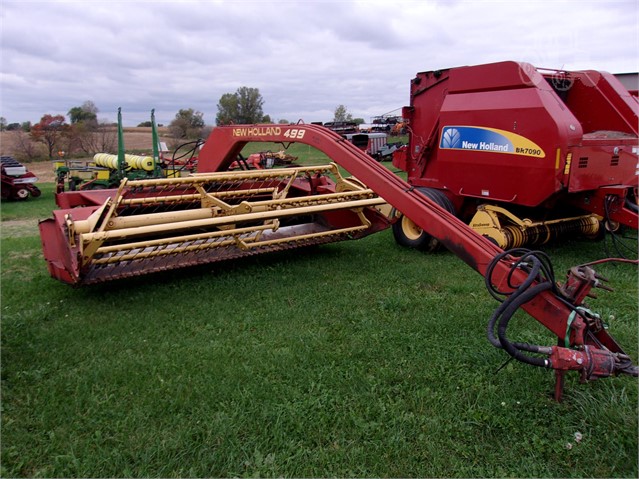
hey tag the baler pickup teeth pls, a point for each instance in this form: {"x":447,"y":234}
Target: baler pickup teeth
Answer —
{"x":161,"y":224}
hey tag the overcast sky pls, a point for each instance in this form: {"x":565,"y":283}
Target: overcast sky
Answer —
{"x":305,"y":57}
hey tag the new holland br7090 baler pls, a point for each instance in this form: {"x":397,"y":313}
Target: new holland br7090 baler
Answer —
{"x":160,"y":224}
{"x":523,"y":155}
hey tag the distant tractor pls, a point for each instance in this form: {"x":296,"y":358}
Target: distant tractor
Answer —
{"x":17,"y":182}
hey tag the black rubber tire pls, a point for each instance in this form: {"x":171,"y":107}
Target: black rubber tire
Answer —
{"x":408,"y":234}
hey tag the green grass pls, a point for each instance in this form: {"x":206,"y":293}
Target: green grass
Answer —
{"x":354,"y":359}
{"x":32,"y":208}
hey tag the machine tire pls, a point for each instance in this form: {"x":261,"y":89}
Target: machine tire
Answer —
{"x":21,"y":194}
{"x":407,"y":233}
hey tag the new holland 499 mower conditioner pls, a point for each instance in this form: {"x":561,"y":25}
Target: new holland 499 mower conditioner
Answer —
{"x":534,"y":154}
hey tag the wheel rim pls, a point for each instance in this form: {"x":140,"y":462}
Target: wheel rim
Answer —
{"x":410,"y":229}
{"x":22,"y":193}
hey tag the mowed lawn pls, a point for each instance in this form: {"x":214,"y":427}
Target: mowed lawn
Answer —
{"x":359,"y":359}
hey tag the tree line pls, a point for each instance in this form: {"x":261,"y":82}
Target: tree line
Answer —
{"x":84,"y":134}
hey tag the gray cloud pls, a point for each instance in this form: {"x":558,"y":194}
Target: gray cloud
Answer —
{"x":305,"y":57}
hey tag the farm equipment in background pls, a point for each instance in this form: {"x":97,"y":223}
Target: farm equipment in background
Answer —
{"x":388,"y":123}
{"x":341,"y":127}
{"x":146,"y":226}
{"x":370,"y":143}
{"x":17,"y":182}
{"x":374,"y":144}
{"x":108,"y":170}
{"x":264,"y":160}
{"x":523,"y":155}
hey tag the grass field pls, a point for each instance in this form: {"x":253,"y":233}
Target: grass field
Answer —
{"x":354,"y":359}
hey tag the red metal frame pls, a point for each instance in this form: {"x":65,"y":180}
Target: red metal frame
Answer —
{"x":597,"y":354}
{"x":225,"y":143}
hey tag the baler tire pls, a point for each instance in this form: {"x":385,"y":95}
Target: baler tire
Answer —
{"x":408,"y":234}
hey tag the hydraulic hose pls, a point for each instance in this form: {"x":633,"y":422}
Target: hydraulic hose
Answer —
{"x":515,"y":349}
{"x":632,"y":206}
{"x":502,"y":307}
{"x":521,"y":255}
{"x":191,"y":151}
{"x":617,"y":242}
{"x":520,"y":296}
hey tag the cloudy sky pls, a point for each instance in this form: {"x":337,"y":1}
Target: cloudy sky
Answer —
{"x":305,"y":57}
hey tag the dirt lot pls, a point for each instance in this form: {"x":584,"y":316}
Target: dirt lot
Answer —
{"x":43,"y":170}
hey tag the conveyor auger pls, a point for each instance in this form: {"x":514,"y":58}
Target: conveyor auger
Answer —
{"x":122,"y":234}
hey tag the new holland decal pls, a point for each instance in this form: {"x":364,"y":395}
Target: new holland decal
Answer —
{"x":476,"y":138}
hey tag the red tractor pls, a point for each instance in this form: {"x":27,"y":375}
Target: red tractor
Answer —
{"x":17,"y":182}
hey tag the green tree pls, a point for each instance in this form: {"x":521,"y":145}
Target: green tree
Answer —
{"x":342,"y":114}
{"x":187,"y":124}
{"x":3,"y":123}
{"x":227,"y":109}
{"x":87,"y":113}
{"x":242,"y":107}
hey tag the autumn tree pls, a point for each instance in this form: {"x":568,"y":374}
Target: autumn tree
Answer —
{"x":242,"y":107}
{"x":187,"y":124}
{"x":49,"y":130}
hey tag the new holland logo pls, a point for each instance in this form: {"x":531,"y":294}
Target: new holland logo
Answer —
{"x":477,"y":138}
{"x":451,"y":138}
